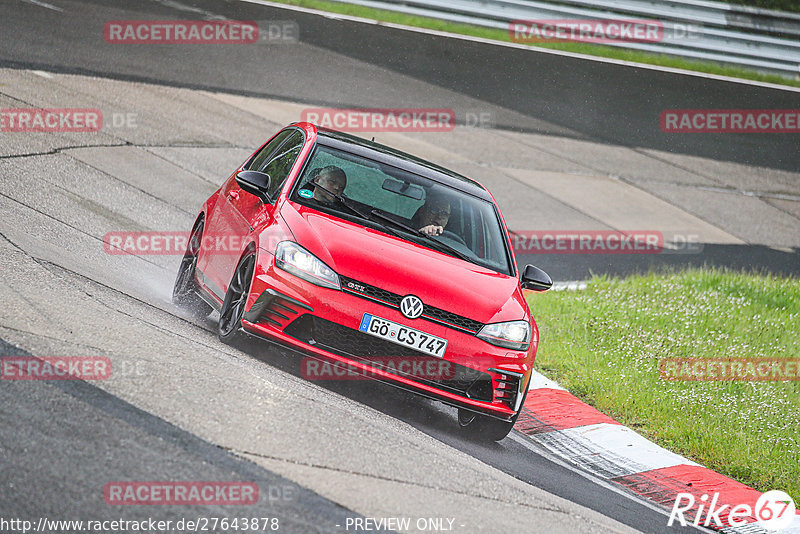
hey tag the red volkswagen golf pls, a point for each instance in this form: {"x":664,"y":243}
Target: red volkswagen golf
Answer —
{"x":369,"y":258}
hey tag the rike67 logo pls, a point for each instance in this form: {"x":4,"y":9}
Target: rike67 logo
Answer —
{"x":774,"y":510}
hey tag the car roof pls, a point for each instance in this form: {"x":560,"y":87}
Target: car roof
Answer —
{"x":396,"y":158}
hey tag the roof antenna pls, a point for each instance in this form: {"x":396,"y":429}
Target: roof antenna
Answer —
{"x":373,"y":138}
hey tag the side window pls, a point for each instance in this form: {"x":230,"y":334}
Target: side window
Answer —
{"x":259,"y":161}
{"x":280,"y":163}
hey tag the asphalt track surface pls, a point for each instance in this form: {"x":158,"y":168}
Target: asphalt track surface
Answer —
{"x":184,"y":407}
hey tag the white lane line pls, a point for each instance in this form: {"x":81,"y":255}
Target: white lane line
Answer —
{"x":172,"y":4}
{"x":44,"y":4}
{"x":608,"y":450}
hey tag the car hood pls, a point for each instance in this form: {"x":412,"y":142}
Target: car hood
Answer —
{"x":402,"y":267}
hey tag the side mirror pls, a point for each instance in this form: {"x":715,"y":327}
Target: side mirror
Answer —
{"x":536,"y":279}
{"x":254,"y":182}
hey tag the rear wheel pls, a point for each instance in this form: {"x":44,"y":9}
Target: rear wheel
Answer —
{"x":184,"y":292}
{"x":230,"y":316}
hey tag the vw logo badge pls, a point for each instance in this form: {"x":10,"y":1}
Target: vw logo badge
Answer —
{"x":411,"y":306}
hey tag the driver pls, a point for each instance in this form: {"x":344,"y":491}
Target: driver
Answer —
{"x":331,"y":178}
{"x":432,"y":216}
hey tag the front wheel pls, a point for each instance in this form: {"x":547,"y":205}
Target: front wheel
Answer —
{"x":184,"y":293}
{"x":230,"y":315}
{"x":482,"y":427}
{"x":485,"y":428}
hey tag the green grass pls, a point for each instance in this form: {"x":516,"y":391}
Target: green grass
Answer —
{"x":502,"y":35}
{"x":604,"y":345}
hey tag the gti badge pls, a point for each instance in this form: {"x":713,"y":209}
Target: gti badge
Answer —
{"x":411,"y":306}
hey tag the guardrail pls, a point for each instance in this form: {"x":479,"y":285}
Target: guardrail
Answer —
{"x":763,"y":40}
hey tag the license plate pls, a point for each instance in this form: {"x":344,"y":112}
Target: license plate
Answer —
{"x":403,"y":335}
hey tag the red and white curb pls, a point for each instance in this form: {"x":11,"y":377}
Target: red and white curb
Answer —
{"x":570,"y":429}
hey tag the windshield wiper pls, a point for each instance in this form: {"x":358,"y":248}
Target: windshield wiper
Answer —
{"x":344,"y":202}
{"x":445,"y":247}
{"x":377,"y":213}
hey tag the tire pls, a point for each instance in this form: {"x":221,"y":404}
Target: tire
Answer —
{"x":230,"y":315}
{"x":484,"y":428}
{"x":184,"y":292}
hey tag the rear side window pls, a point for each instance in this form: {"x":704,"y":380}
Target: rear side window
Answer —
{"x":277,"y":158}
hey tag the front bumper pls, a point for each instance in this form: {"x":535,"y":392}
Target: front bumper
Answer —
{"x":323,"y":322}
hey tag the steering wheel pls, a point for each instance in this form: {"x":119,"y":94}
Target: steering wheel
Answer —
{"x":452,"y":236}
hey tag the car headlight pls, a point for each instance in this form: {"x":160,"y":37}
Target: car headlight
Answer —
{"x":293,"y":258}
{"x":511,"y":335}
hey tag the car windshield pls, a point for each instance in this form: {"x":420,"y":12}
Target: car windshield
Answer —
{"x":405,"y":204}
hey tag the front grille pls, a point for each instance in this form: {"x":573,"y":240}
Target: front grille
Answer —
{"x":372,"y":292}
{"x":392,"y":300}
{"x":443,"y":316}
{"x":391,"y":357}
